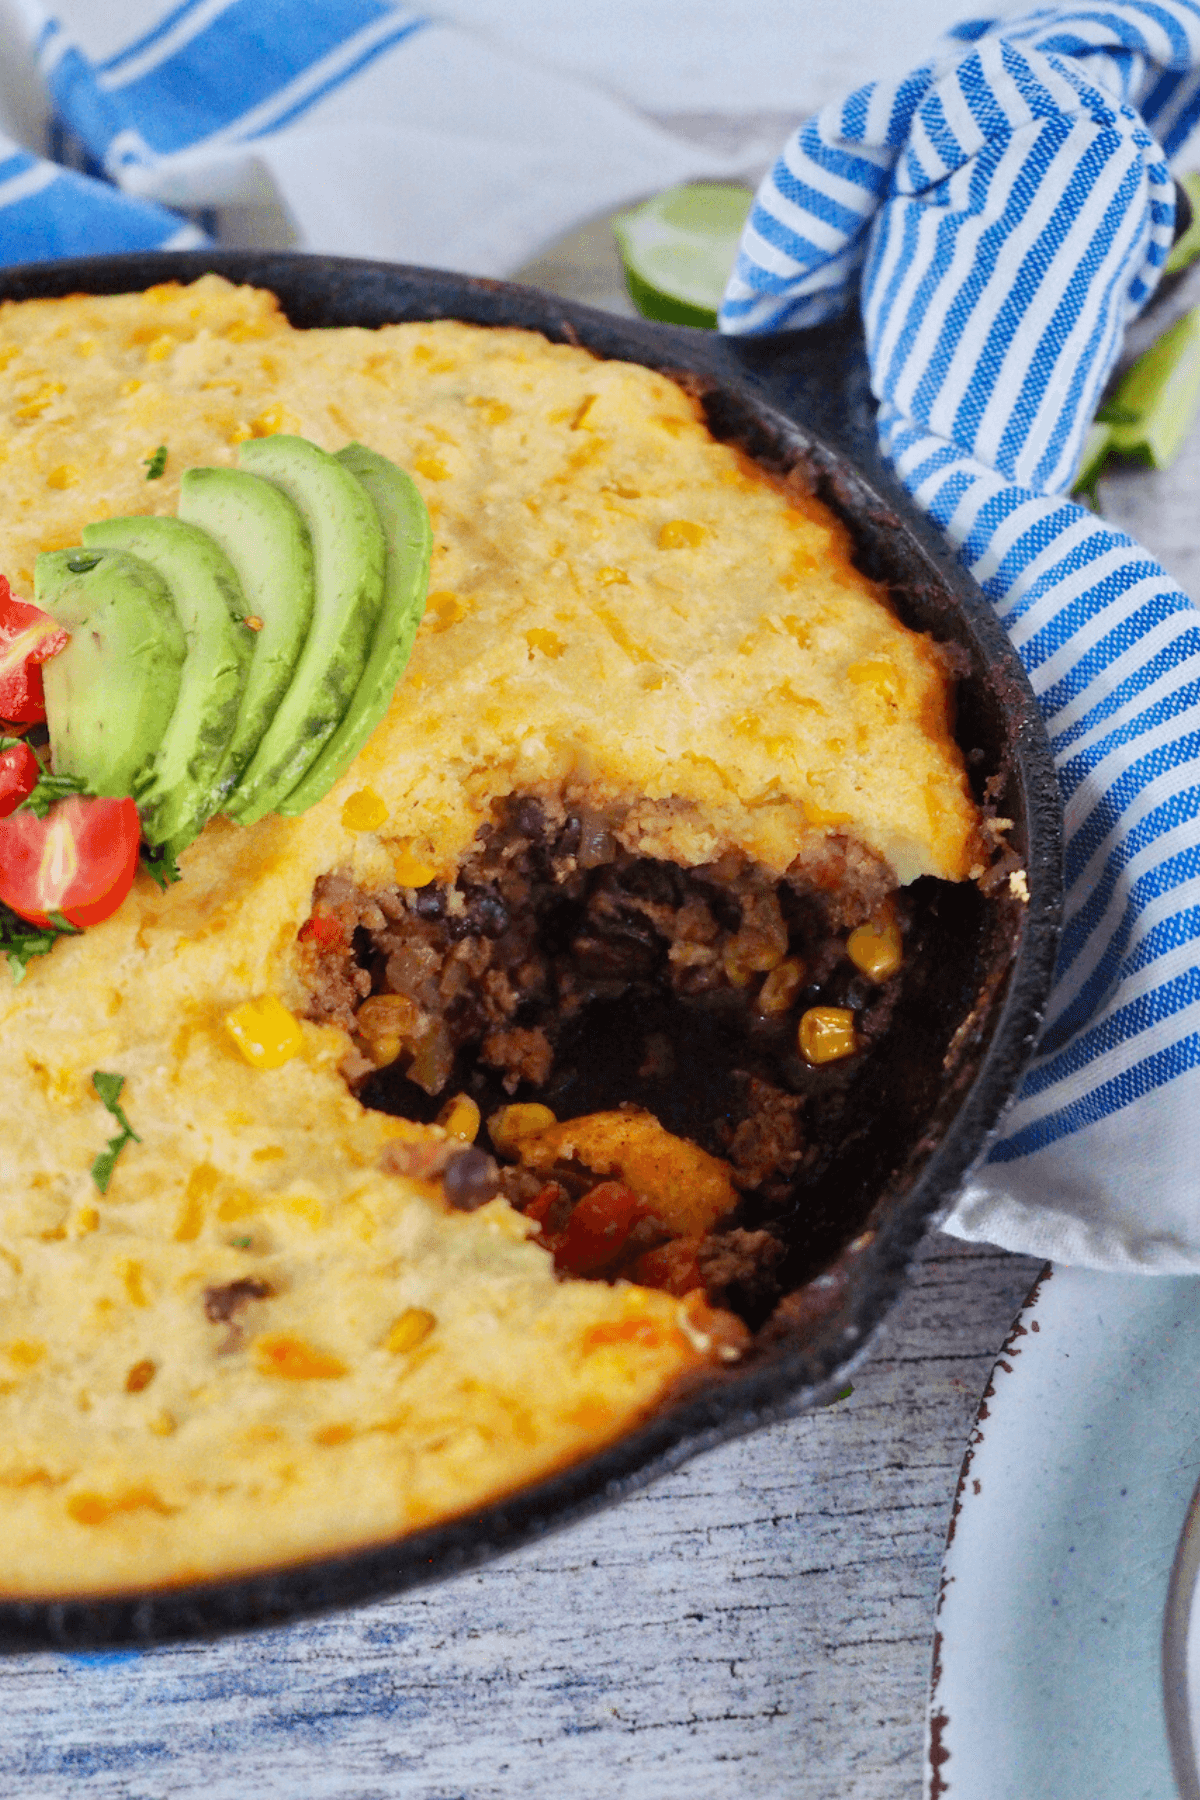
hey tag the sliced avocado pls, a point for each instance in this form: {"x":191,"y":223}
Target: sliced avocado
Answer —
{"x":180,"y":794}
{"x":405,"y":520}
{"x":265,"y":539}
{"x":111,"y":692}
{"x":348,"y":561}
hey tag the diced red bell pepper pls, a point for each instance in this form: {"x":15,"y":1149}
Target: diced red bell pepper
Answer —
{"x":543,"y":1204}
{"x":672,"y":1267}
{"x":597,"y":1230}
{"x":323,"y":930}
{"x":19,"y":772}
{"x":28,"y":637}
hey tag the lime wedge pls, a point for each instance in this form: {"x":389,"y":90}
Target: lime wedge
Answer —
{"x":1152,"y":410}
{"x":678,"y":248}
{"x":1186,"y":248}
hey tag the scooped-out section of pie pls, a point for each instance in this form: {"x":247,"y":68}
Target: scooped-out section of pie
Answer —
{"x":469,"y":1108}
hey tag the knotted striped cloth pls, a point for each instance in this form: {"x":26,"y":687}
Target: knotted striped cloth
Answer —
{"x":1000,"y":215}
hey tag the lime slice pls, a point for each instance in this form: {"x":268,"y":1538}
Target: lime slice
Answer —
{"x":1096,"y":448}
{"x":1152,"y":410}
{"x":1186,"y":248}
{"x":678,"y":249}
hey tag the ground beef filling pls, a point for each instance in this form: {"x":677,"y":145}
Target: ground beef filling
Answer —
{"x":564,"y":972}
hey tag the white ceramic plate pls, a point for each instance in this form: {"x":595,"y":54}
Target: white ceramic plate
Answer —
{"x":1047,"y":1679}
{"x":1181,"y":1657}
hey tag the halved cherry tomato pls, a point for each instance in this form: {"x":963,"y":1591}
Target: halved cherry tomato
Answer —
{"x":597,"y":1229}
{"x":19,"y":772}
{"x":28,"y":637}
{"x":78,"y":862}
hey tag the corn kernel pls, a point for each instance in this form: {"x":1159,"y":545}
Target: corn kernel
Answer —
{"x":509,"y":1124}
{"x":35,"y":404}
{"x":364,"y":811}
{"x":681,"y":534}
{"x":275,"y":419}
{"x":410,"y":1329}
{"x":431,"y":466}
{"x":386,"y":1023}
{"x":161,"y":347}
{"x":827,"y":1034}
{"x":409,"y":870}
{"x":240,"y":432}
{"x":276,"y":1353}
{"x":495,"y":412}
{"x":140,"y":1376}
{"x":878,"y":672}
{"x":87,"y":1219}
{"x":131,"y":386}
{"x":66,"y":475}
{"x":460,"y":1118}
{"x":876,"y":948}
{"x":548,"y":642}
{"x":332,"y":1435}
{"x":610,"y":576}
{"x":26,"y":1353}
{"x":442,"y":610}
{"x":265,"y":1032}
{"x":782,"y":985}
{"x":135,"y":1287}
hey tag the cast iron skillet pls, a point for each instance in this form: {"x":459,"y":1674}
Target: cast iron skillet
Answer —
{"x":800,"y":404}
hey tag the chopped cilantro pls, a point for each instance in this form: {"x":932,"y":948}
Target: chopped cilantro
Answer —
{"x":160,"y":865}
{"x":20,"y":941}
{"x":49,"y":789}
{"x":108,"y":1090}
{"x":154,"y":465}
{"x":241,"y":1243}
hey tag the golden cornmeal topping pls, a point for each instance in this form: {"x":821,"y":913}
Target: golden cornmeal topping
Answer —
{"x":258,"y":1344}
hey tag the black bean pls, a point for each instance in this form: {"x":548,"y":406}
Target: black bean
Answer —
{"x":470,"y":1180}
{"x":487,"y":915}
{"x":430,"y":901}
{"x":529,"y":818}
{"x":651,"y":881}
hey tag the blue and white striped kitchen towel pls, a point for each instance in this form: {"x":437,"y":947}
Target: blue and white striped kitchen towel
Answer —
{"x":1000,"y":214}
{"x":355,"y":127}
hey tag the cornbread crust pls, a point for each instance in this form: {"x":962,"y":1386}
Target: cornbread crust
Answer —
{"x":622,"y":615}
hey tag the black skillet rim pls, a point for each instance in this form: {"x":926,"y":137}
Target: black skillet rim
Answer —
{"x":817,"y":375}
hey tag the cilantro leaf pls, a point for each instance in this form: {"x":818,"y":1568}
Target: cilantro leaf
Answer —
{"x":108,"y":1090}
{"x":20,"y":941}
{"x":156,"y":464}
{"x":160,"y":865}
{"x":49,"y":789}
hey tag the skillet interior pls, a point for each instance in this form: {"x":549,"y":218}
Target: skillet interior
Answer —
{"x":799,"y":404}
